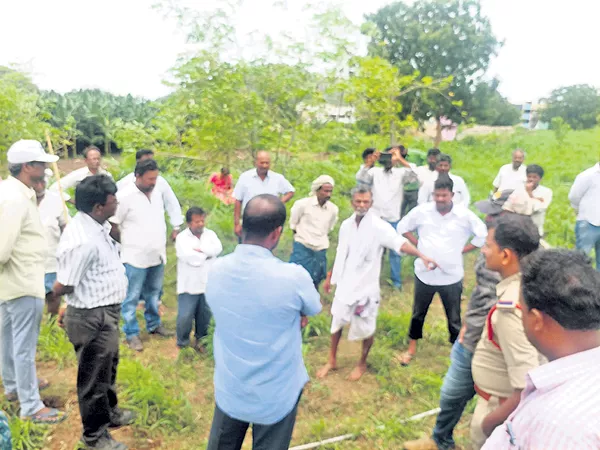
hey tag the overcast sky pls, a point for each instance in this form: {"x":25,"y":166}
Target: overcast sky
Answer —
{"x":125,"y":46}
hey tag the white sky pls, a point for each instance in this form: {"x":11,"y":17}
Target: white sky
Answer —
{"x":125,"y":46}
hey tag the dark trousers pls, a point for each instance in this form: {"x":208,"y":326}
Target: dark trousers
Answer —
{"x":227,"y":433}
{"x":94,"y":334}
{"x":191,"y":309}
{"x":424,"y":293}
{"x":409,"y":201}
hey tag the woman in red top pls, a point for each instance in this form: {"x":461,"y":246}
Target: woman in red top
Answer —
{"x":223,"y":186}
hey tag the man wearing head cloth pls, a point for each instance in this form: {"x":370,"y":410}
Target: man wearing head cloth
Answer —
{"x":312,"y":219}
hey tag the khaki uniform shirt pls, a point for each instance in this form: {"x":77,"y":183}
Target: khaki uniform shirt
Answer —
{"x":500,"y":371}
{"x":23,"y":246}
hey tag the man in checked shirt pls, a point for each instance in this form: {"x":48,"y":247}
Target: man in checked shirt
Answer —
{"x":92,"y":278}
{"x":559,"y":408}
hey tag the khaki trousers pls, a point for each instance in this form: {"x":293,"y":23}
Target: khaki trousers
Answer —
{"x":482,"y":409}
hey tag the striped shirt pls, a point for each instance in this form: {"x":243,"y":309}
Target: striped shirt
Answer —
{"x":559,"y":408}
{"x":88,"y":260}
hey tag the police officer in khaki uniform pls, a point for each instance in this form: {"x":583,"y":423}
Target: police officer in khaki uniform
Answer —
{"x":503,"y":355}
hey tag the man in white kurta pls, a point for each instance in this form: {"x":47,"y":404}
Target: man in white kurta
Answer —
{"x":362,"y":239}
{"x":512,"y":176}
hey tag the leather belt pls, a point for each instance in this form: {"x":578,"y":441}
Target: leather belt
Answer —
{"x":486,"y":396}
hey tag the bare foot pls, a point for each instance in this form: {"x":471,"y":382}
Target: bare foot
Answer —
{"x":358,"y":372}
{"x":405,"y":358}
{"x":323,"y":371}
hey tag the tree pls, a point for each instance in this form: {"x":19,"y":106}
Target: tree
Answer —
{"x":578,"y":105}
{"x":437,"y":38}
{"x":488,"y":107}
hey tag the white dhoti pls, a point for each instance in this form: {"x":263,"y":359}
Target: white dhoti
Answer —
{"x":361,"y":317}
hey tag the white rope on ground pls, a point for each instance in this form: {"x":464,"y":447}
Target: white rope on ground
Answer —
{"x":344,"y":437}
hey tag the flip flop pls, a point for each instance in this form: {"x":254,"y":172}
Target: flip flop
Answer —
{"x":52,"y":417}
{"x":42,"y":385}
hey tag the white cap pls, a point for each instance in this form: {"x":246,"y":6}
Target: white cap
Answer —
{"x":26,"y":151}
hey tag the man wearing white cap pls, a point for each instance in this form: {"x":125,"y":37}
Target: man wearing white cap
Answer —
{"x":23,"y":250}
{"x":312,"y":219}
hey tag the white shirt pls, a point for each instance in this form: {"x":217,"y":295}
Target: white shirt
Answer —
{"x":509,"y":178}
{"x":249,"y":185}
{"x":143,"y":227}
{"x":425,"y":174}
{"x":313,"y":222}
{"x":540,"y":207}
{"x":585,"y":195}
{"x":192,"y":264}
{"x":388,"y":189}
{"x":53,"y":219}
{"x":460,"y":189}
{"x":88,"y":260}
{"x":169,"y":198}
{"x":443,"y":238}
{"x":358,"y":257}
{"x":74,"y":178}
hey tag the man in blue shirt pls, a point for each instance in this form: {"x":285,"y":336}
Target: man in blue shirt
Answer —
{"x":258,"y":303}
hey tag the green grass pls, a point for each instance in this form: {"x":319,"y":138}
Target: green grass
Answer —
{"x":173,"y":394}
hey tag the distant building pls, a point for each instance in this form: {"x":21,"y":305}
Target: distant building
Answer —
{"x":328,"y":113}
{"x":530,"y":116}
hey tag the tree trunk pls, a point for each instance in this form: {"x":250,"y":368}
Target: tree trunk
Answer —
{"x":106,"y":145}
{"x":438,"y":132}
{"x":74,"y":147}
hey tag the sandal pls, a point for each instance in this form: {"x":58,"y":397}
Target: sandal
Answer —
{"x":42,"y":385}
{"x":406,"y":358}
{"x":51,"y":417}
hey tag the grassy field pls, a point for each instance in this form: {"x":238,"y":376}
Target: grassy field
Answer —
{"x":173,"y":392}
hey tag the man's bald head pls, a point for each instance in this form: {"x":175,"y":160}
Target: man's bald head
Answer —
{"x":263,"y":215}
{"x":262,"y":163}
{"x":518,"y":157}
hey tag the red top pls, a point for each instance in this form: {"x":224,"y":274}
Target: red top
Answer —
{"x":222,"y":183}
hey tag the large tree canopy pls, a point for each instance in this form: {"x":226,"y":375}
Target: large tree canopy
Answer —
{"x":437,"y":38}
{"x":578,"y":105}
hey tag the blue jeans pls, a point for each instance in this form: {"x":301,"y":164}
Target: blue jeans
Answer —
{"x":21,"y":319}
{"x":143,"y":284}
{"x":588,"y":238}
{"x":457,"y":390}
{"x":395,"y":263}
{"x":5,"y":438}
{"x":191,"y":308}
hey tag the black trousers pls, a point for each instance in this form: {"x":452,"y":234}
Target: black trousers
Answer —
{"x":409,"y":201}
{"x":227,"y":433}
{"x":94,"y":334}
{"x":424,"y":293}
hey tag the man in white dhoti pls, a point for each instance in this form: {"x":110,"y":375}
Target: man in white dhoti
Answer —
{"x":356,"y":270}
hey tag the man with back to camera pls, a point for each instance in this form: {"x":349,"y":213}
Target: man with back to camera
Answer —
{"x":170,"y":201}
{"x":559,"y":409}
{"x":444,"y":230}
{"x":257,"y":181}
{"x":312,"y":219}
{"x":387,"y":186}
{"x":460,"y":189}
{"x":584,"y":195}
{"x":92,"y":278}
{"x":23,"y":249}
{"x":503,"y":355}
{"x":512,"y":176}
{"x":139,"y":224}
{"x":258,"y":302}
{"x":362,"y":239}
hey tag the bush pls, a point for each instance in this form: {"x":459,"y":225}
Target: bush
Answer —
{"x":54,"y":345}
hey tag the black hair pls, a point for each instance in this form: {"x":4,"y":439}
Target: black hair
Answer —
{"x":262,"y":215}
{"x":563,"y":284}
{"x":141,"y":153}
{"x":88,"y":149}
{"x":518,"y":233}
{"x":444,"y":182}
{"x":145,"y":166}
{"x":444,"y":158}
{"x":433,"y":152}
{"x":367,"y":152}
{"x":93,"y":190}
{"x":534,"y":168}
{"x":194,"y":211}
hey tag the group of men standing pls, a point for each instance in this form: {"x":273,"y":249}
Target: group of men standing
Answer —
{"x":112,"y":254}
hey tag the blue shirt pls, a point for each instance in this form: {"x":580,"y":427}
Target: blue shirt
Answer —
{"x":256,"y":300}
